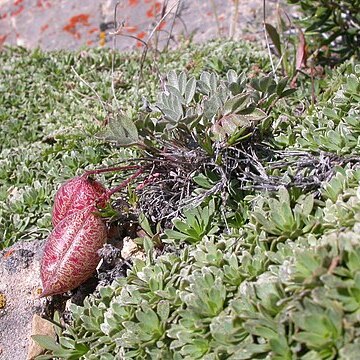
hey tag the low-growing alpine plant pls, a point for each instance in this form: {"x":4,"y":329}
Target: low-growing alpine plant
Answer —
{"x":192,"y":307}
{"x":49,"y":118}
{"x":249,"y":208}
{"x":262,"y":259}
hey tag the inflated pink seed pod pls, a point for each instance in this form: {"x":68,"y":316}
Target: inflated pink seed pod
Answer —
{"x":74,"y":195}
{"x":70,"y":255}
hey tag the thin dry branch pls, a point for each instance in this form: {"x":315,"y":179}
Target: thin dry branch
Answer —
{"x":267,"y":41}
{"x":90,"y":87}
{"x":118,"y":32}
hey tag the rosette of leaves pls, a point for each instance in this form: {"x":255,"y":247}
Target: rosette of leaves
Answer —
{"x":229,"y":298}
{"x":332,"y":125}
{"x":278,"y":217}
{"x":217,"y":110}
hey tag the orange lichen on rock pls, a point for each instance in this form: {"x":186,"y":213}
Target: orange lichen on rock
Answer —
{"x":131,"y":29}
{"x":81,"y":19}
{"x":9,"y":253}
{"x":154,"y":10}
{"x":17,"y":11}
{"x":44,"y":27}
{"x":161,"y":26}
{"x":2,"y":39}
{"x":93,"y":30}
{"x":41,"y":4}
{"x":141,"y":35}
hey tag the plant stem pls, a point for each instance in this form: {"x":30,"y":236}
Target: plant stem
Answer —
{"x":234,"y":19}
{"x":124,"y":183}
{"x":109,"y":169}
{"x":267,"y":41}
{"x":213,"y":5}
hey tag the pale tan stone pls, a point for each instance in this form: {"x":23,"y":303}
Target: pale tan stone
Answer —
{"x":39,"y":326}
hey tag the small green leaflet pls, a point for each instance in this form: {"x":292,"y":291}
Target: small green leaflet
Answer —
{"x":121,"y":130}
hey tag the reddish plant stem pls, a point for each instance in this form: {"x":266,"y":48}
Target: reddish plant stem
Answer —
{"x":109,"y":169}
{"x":125,"y":183}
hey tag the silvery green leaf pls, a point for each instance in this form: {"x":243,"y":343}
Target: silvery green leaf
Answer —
{"x":211,"y":107}
{"x":172,"y":79}
{"x":205,"y":77}
{"x":235,"y":104}
{"x":275,"y":37}
{"x":190,"y":90}
{"x":235,"y":88}
{"x":287,"y":92}
{"x":171,"y":114}
{"x":232,"y":76}
{"x":175,"y":92}
{"x":175,"y":105}
{"x":45,"y":357}
{"x":163,"y":100}
{"x":67,"y":342}
{"x":107,"y":357}
{"x":352,"y":83}
{"x":265,"y":82}
{"x":46,"y":342}
{"x":213,"y":82}
{"x":121,"y":130}
{"x":144,"y":223}
{"x":163,"y":309}
{"x":148,"y":246}
{"x":223,"y":93}
{"x":283,"y":195}
{"x":182,"y":82}
{"x":203,"y":87}
{"x":255,"y":115}
{"x":308,"y":205}
{"x":281,"y":85}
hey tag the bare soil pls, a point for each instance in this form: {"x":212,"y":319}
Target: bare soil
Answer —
{"x":19,"y":284}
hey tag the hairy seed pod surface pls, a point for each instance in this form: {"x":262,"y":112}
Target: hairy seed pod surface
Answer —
{"x":76,"y":194}
{"x":70,"y":255}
